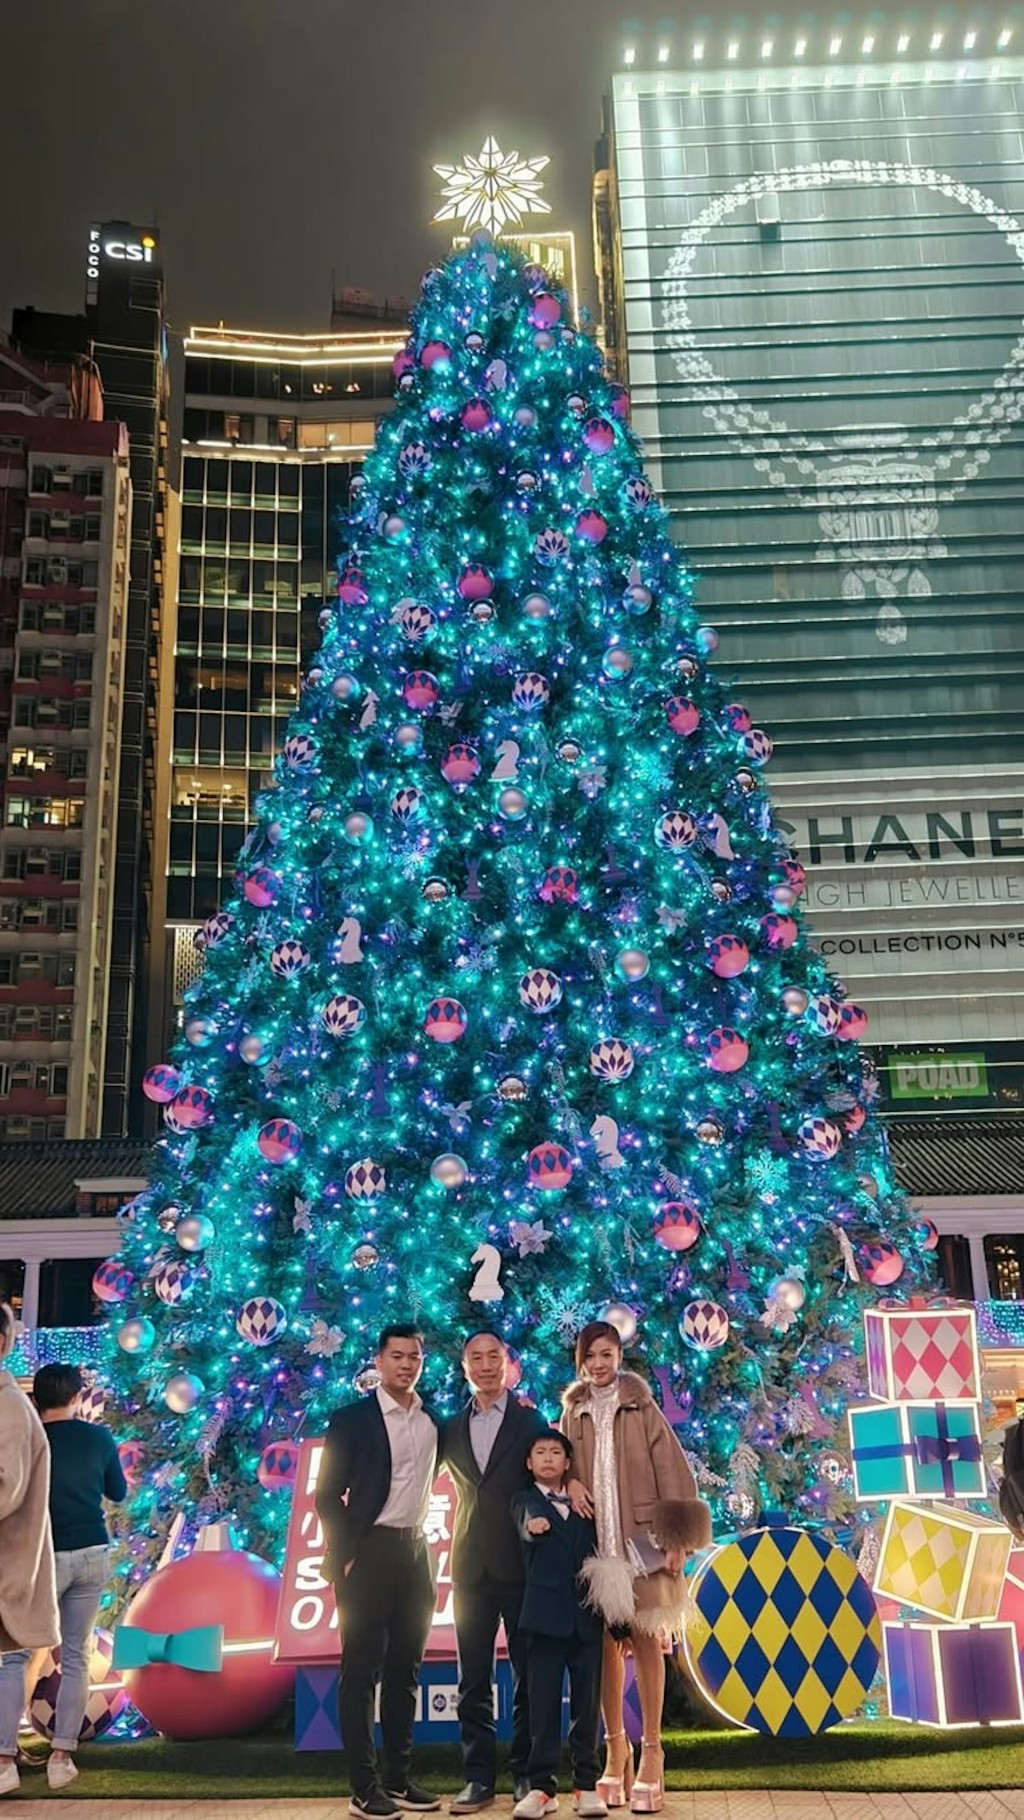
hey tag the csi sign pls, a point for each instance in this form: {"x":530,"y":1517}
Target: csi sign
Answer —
{"x":122,"y":246}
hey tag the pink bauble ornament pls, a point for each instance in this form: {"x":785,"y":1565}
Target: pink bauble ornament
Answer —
{"x":736,"y":717}
{"x":727,"y":956}
{"x":779,"y":931}
{"x":352,"y":587}
{"x":677,"y":1225}
{"x":560,"y":885}
{"x":854,"y":1119}
{"x":161,"y":1083}
{"x":459,"y":766}
{"x":476,"y":415}
{"x":261,"y":887}
{"x":682,"y":716}
{"x":549,"y":1166}
{"x":435,"y":354}
{"x":278,"y":1466}
{"x":402,"y":363}
{"x":545,"y":310}
{"x":445,"y":1020}
{"x":619,"y":399}
{"x":225,"y":1587}
{"x":279,"y":1141}
{"x":599,"y":435}
{"x":926,"y":1234}
{"x":853,"y":1023}
{"x":112,"y":1282}
{"x":192,"y":1108}
{"x":794,"y":875}
{"x":726,"y":1050}
{"x":421,"y":690}
{"x":592,"y":526}
{"x":132,"y":1456}
{"x":881,"y":1263}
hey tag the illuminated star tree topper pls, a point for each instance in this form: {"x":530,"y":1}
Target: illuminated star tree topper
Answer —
{"x":493,"y":190}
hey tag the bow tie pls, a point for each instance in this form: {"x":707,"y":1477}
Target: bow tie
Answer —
{"x":559,"y":1497}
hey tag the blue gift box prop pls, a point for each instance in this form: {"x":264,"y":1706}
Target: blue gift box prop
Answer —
{"x":437,"y":1720}
{"x":920,"y":1450}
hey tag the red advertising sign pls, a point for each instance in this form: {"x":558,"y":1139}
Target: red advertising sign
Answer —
{"x":307,"y":1621}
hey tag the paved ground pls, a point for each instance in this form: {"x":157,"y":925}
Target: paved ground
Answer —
{"x":744,"y":1804}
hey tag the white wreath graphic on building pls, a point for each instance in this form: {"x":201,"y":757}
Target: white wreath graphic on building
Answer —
{"x":877,"y":508}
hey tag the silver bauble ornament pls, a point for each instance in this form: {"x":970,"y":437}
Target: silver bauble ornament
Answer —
{"x":394,"y":527}
{"x":617,"y":662}
{"x":168,"y":1217}
{"x":746,"y":781}
{"x":623,"y":1318}
{"x":536,"y":606}
{"x":358,"y":829}
{"x":632,"y":964}
{"x":137,"y":1334}
{"x":482,"y":611}
{"x":252,"y":1049}
{"x":794,"y":1001}
{"x":408,"y":737}
{"x":512,"y":805}
{"x":366,"y":1381}
{"x":449,"y":1170}
{"x":512,"y":1088}
{"x":688,"y":668}
{"x":195,"y":1232}
{"x":434,"y":890}
{"x":345,"y":688}
{"x":721,"y":890}
{"x":569,"y":752}
{"x":183,"y":1391}
{"x":200,"y":1032}
{"x":710,"y":1131}
{"x":365,"y":1256}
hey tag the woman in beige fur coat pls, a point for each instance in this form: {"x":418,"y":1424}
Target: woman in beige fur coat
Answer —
{"x":28,"y":1593}
{"x":630,"y":1473}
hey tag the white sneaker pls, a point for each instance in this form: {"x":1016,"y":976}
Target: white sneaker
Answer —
{"x":60,"y":1771}
{"x":588,"y":1804}
{"x":535,"y":1806}
{"x":9,"y":1779}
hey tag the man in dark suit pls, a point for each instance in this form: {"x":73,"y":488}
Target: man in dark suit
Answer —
{"x":485,"y":1448}
{"x":372,"y":1496}
{"x":562,"y":1633}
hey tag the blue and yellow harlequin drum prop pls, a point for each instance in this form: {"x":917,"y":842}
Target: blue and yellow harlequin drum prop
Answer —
{"x":784,"y":1635}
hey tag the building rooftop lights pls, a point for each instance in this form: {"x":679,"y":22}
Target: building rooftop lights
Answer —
{"x":800,"y":47}
{"x":835,"y":45}
{"x":935,"y":41}
{"x":868,"y":45}
{"x":732,"y":50}
{"x":629,"y":56}
{"x":698,"y":53}
{"x":1004,"y":38}
{"x":767,"y":47}
{"x":663,"y":53}
{"x":970,"y":40}
{"x":903,"y":44}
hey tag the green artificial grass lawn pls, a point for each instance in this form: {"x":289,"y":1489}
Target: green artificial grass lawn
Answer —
{"x":880,"y":1755}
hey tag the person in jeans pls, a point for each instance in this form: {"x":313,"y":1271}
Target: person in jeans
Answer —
{"x":28,"y":1602}
{"x":84,"y":1469}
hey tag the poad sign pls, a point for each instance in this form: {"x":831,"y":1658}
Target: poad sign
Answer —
{"x":306,"y":1630}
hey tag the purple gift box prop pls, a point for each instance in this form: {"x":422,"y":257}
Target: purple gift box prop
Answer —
{"x":924,"y":1450}
{"x":316,"y":1705}
{"x":953,"y":1674}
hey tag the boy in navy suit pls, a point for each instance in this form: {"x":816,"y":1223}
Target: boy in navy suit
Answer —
{"x":562,"y":1633}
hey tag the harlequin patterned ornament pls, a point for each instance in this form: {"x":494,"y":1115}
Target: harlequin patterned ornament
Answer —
{"x":592,"y":526}
{"x":726,"y":1050}
{"x":677,"y":1225}
{"x":794,"y":875}
{"x":820,"y":1137}
{"x":414,"y":460}
{"x":278,"y":1466}
{"x":111,"y":1282}
{"x":881,"y":1263}
{"x":300,"y":752}
{"x":926,"y":1233}
{"x":823,"y":1015}
{"x":365,"y":1180}
{"x":407,"y":805}
{"x":435,"y":354}
{"x":549,"y":1166}
{"x":530,"y":692}
{"x":132,"y":1456}
{"x":171,"y":1280}
{"x":778,"y":931}
{"x":460,"y":766}
{"x":476,"y":415}
{"x":545,"y":311}
{"x":540,"y":990}
{"x":260,"y":1319}
{"x":784,"y":1636}
{"x":620,"y":402}
{"x":217,"y":928}
{"x":853,"y":1023}
{"x":682,"y":716}
{"x":639,"y":492}
{"x":415,"y":621}
{"x":475,"y":582}
{"x":560,"y":885}
{"x":161,"y":1083}
{"x":192,"y":1107}
{"x":550,"y":547}
{"x":352,"y":588}
{"x":944,"y":1560}
{"x":107,"y":1698}
{"x":611,"y":1060}
{"x":756,"y":747}
{"x":704,"y":1326}
{"x":727,"y":956}
{"x":342,"y":1014}
{"x":289,"y":959}
{"x":598,"y":435}
{"x":676,"y":831}
{"x":445,"y":1020}
{"x":421,"y":690}
{"x":279,"y":1141}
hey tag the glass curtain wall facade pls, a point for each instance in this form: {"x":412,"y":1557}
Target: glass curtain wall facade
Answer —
{"x":274,"y":429}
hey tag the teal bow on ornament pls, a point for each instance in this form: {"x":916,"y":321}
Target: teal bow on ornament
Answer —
{"x":200,"y":1649}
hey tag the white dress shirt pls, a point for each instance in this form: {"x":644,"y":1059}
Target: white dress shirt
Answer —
{"x":412,"y":1439}
{"x":563,"y":1506}
{"x":483,"y":1428}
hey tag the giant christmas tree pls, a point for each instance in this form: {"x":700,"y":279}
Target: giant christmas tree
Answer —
{"x":511,"y":1019}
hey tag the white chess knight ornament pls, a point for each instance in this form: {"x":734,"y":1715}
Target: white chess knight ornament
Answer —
{"x":876,"y":489}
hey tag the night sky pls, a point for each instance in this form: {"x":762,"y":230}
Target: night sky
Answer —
{"x":272,"y":141}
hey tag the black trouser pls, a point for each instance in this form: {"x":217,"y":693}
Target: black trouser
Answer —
{"x":385,"y":1606}
{"x":479,"y":1609}
{"x":547,"y":1659}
